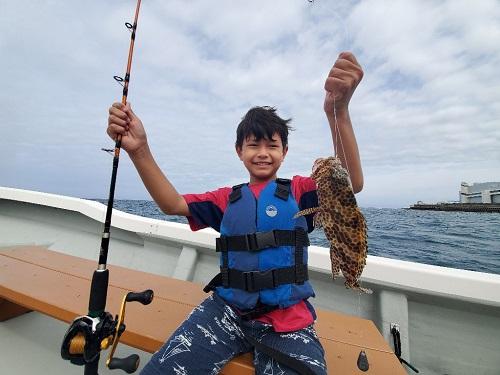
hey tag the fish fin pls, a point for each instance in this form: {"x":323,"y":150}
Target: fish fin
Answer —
{"x":307,"y":211}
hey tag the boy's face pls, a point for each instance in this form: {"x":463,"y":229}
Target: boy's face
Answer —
{"x":262,"y":158}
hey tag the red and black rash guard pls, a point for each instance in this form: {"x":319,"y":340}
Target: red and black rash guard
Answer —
{"x":207,"y":209}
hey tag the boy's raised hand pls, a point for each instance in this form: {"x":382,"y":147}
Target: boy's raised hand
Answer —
{"x":122,"y":120}
{"x":341,"y":82}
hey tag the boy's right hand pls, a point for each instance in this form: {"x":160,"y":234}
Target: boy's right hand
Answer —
{"x":122,"y":120}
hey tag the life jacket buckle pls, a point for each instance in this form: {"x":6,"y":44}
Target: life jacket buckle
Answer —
{"x":251,"y":242}
{"x":259,"y":280}
{"x":265,"y":239}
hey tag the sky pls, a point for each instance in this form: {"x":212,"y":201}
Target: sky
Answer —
{"x":426,"y":114}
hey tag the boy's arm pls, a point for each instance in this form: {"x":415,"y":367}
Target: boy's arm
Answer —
{"x":123,"y":121}
{"x":342,"y":80}
{"x":159,"y":187}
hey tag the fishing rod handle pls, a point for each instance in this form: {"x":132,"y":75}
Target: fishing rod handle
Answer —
{"x":128,"y":364}
{"x":92,"y":368}
{"x":143,"y":297}
{"x":98,"y":292}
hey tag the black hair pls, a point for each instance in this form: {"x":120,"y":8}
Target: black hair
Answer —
{"x":262,"y":122}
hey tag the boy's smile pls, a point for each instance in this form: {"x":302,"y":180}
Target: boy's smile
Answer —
{"x":262,"y":158}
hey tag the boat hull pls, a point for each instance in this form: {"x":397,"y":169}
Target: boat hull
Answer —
{"x":449,"y":319}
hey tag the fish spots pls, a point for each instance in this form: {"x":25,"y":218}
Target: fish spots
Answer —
{"x":342,"y":221}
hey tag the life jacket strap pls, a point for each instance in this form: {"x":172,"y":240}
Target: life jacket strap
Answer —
{"x":259,"y":310}
{"x":254,"y":281}
{"x":285,"y":359}
{"x":262,"y":240}
{"x":282,"y":188}
{"x":214,"y":283}
{"x":235,"y":193}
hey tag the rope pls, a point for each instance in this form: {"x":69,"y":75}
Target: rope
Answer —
{"x":397,"y":347}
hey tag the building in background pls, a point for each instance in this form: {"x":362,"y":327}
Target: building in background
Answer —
{"x":483,"y":192}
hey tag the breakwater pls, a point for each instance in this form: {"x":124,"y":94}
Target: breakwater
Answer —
{"x":464,"y":207}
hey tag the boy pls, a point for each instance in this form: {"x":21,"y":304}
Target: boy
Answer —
{"x":260,"y":296}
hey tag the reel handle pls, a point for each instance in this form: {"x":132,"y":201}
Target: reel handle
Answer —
{"x":143,"y":297}
{"x":128,"y":364}
{"x":131,"y":363}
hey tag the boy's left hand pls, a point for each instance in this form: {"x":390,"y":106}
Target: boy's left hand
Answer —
{"x":341,"y":82}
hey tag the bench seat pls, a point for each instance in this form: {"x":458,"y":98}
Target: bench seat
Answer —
{"x":57,"y":284}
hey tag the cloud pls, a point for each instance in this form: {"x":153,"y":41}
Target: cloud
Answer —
{"x":429,"y":100}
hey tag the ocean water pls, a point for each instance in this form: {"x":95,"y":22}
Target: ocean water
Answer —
{"x":465,"y":240}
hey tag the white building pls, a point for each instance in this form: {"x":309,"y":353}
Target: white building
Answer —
{"x":482,"y":192}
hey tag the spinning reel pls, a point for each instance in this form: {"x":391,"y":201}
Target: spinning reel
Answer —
{"x":88,"y":335}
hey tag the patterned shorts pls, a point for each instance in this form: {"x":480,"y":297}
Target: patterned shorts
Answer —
{"x":213,"y":334}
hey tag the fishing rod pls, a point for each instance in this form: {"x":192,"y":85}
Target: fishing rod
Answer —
{"x":96,"y":331}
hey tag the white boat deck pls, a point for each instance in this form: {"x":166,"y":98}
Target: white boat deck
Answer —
{"x":449,"y":319}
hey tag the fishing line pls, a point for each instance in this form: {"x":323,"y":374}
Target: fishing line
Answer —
{"x":338,"y":143}
{"x":338,"y":137}
{"x":340,"y":33}
{"x":343,"y":45}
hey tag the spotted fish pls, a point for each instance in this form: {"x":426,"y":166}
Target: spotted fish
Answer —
{"x":342,"y":221}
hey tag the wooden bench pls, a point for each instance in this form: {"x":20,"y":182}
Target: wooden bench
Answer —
{"x":56,"y":284}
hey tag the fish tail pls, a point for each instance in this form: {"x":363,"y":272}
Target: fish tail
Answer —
{"x":355,"y":286}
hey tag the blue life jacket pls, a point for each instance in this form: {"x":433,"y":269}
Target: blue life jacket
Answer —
{"x":263,"y":249}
